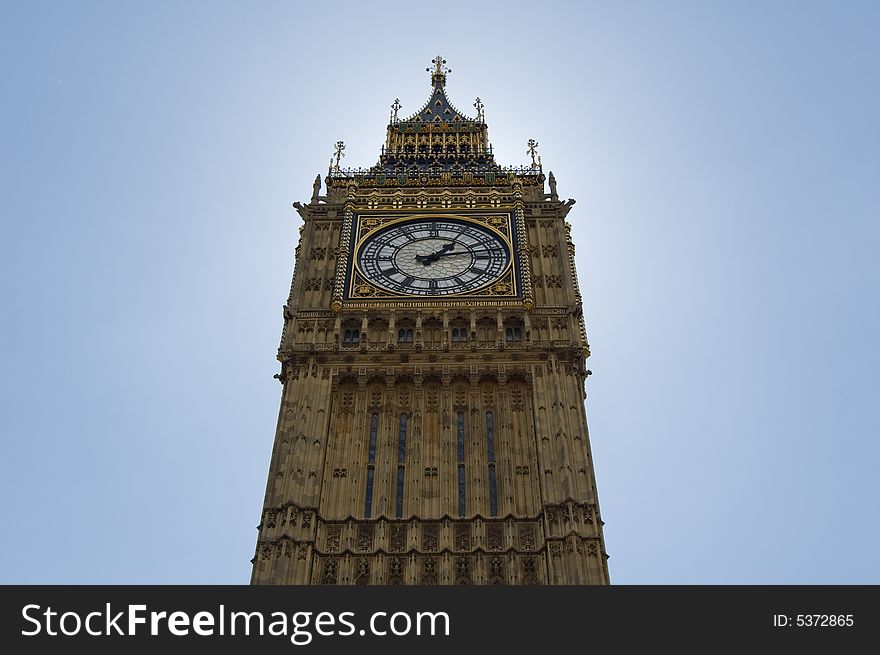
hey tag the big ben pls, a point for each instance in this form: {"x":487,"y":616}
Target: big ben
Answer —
{"x":432,"y":427}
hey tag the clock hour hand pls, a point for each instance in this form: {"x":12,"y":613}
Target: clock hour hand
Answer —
{"x":427,"y":259}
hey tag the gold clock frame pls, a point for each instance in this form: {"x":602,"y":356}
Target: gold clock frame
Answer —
{"x":362,"y":293}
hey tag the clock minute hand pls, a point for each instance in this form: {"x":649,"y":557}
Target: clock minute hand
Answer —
{"x":464,"y":252}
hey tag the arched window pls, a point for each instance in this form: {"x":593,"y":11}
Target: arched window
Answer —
{"x":460,"y":334}
{"x":490,"y":452}
{"x":486,"y":329}
{"x":401,"y":466}
{"x":405,"y":335}
{"x":351,"y":335}
{"x":371,"y":464}
{"x":513,"y":333}
{"x":460,"y":458}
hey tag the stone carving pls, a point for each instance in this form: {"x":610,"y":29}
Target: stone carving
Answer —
{"x":398,"y":537}
{"x":362,"y":572}
{"x":395,"y":570}
{"x":431,"y":400}
{"x":334,"y":536}
{"x":496,"y":570}
{"x":463,"y":570}
{"x":329,"y":573}
{"x":365,"y":537}
{"x":526,"y":536}
{"x":488,"y":397}
{"x":495,"y":536}
{"x":430,"y":537}
{"x":587,"y":514}
{"x":403,"y":398}
{"x":462,"y":536}
{"x":429,"y":571}
{"x":516,"y":398}
{"x":529,"y":570}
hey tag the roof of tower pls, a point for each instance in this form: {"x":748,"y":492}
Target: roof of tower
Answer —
{"x":437,"y":107}
{"x":438,"y":144}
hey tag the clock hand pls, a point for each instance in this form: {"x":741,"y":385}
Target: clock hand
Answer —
{"x":427,"y":259}
{"x":465,"y":252}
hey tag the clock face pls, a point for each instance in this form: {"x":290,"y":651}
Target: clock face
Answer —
{"x":433,"y":257}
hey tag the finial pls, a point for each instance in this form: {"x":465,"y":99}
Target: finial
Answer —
{"x":438,"y":75}
{"x":337,"y":152}
{"x":394,"y":109}
{"x":533,"y":151}
{"x":481,"y":116}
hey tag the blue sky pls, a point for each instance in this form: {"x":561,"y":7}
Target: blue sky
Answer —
{"x":725,"y":158}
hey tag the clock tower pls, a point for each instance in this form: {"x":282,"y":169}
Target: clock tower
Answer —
{"x":432,"y":426}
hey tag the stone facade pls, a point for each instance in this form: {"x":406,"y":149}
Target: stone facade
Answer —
{"x":433,"y":440}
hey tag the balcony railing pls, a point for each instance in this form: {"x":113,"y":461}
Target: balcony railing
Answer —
{"x":487,"y":174}
{"x":383,"y":346}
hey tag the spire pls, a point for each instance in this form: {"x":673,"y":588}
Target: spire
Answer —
{"x":438,"y":74}
{"x":533,"y":151}
{"x":481,"y":114}
{"x":338,"y":153}
{"x":438,"y":108}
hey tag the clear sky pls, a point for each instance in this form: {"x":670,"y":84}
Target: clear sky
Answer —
{"x":725,"y":158}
